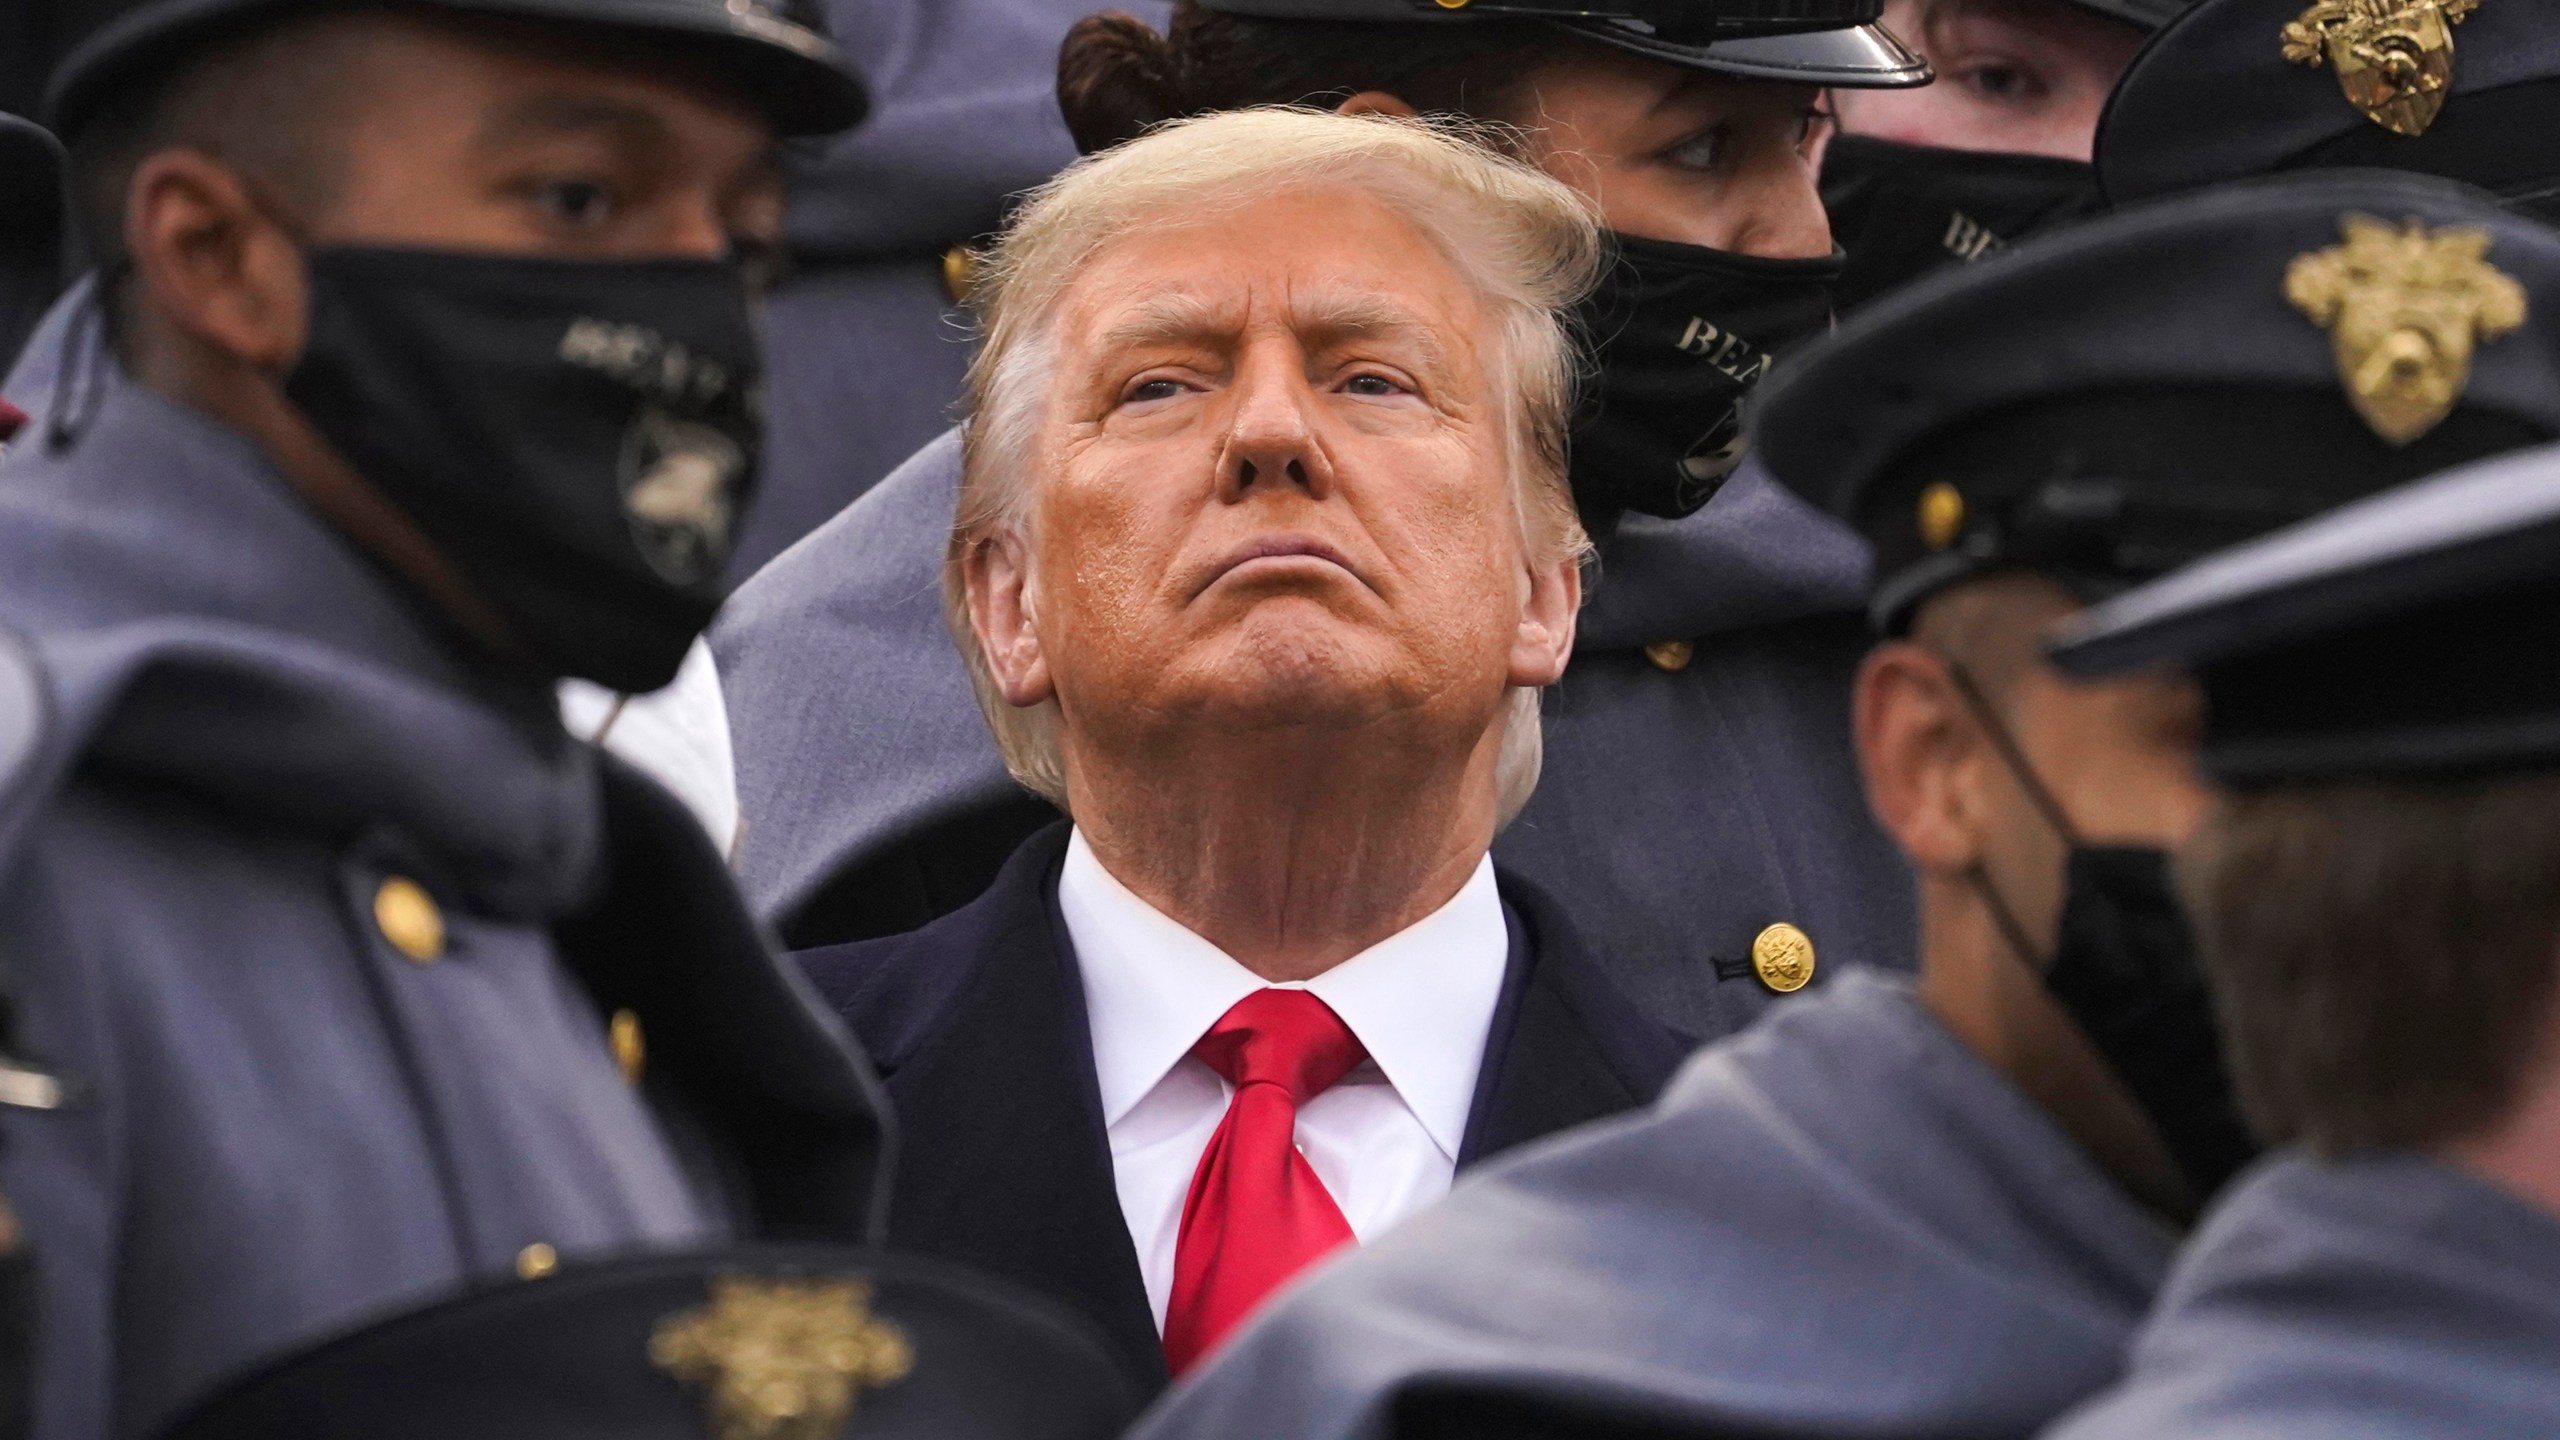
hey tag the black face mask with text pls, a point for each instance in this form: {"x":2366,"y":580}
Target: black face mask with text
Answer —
{"x":578,"y":438}
{"x":1904,"y":211}
{"x":1683,"y":333}
{"x":2124,"y":969}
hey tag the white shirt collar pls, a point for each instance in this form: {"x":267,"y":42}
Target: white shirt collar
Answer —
{"x":1420,"y":1001}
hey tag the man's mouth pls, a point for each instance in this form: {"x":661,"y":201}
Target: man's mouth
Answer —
{"x":1280,"y":551}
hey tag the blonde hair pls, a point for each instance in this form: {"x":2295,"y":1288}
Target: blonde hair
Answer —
{"x":1528,"y":244}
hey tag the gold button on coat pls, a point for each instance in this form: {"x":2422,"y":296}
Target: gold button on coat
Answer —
{"x":1782,"y":956}
{"x":407,"y":917}
{"x":536,"y":1260}
{"x":1671,"y":656}
{"x":630,"y":1046}
{"x":959,"y":273}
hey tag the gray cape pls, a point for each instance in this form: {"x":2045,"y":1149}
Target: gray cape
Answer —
{"x":222,"y":729}
{"x":1839,"y":1224}
{"x":865,"y":348}
{"x":2388,"y":1298}
{"x":1680,"y":813}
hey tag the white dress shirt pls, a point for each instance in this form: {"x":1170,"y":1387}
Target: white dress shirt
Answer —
{"x":1384,"y":1141}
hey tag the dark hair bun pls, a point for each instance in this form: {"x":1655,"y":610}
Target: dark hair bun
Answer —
{"x":1117,"y":78}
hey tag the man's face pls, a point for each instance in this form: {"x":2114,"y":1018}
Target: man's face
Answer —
{"x":1275,"y":488}
{"x":2023,"y":77}
{"x":524,"y":139}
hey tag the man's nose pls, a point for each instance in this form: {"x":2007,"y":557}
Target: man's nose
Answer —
{"x":1272,"y":440}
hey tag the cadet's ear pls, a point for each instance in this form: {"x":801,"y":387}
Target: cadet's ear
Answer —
{"x":1921,"y":754}
{"x":997,"y":572}
{"x":210,"y":262}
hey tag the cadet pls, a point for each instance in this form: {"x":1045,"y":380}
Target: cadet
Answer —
{"x":1941,"y":1209}
{"x":2378,"y":898}
{"x":2250,"y":87}
{"x":426,"y":379}
{"x":1997,"y":149}
{"x":865,"y":341}
{"x":1698,"y":816}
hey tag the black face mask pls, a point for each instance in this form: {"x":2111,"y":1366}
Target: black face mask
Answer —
{"x":1904,"y":211}
{"x":2124,"y":969}
{"x":1683,"y":333}
{"x":578,"y":438}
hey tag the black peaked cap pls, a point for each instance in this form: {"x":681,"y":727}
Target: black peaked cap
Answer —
{"x":2407,"y":636}
{"x":2108,"y":402}
{"x":1834,"y":43}
{"x":787,"y":65}
{"x":2215,"y":97}
{"x":636,"y":1348}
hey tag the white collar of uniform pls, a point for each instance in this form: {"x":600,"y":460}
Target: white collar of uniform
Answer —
{"x":1420,"y":1000}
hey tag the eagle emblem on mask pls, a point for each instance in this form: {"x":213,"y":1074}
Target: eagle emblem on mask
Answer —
{"x":680,"y":490}
{"x":2393,"y":58}
{"x":2404,"y":307}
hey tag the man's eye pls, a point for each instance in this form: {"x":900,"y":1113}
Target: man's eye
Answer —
{"x":575,"y":202}
{"x":1150,"y":390}
{"x":1372,"y":385}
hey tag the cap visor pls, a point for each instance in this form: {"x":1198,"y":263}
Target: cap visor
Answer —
{"x":1859,"y":57}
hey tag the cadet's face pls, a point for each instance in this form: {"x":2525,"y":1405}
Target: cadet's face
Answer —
{"x":2118,"y":755}
{"x":2027,"y":77}
{"x":1278,"y":488}
{"x":1674,"y":154}
{"x":498,"y":139}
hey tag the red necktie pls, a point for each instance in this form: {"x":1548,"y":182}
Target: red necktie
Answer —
{"x":1257,"y":1214}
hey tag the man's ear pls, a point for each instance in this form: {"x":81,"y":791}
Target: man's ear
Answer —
{"x":1544,"y":644}
{"x":997,"y":573}
{"x":1922,"y":756}
{"x":212,"y":263}
{"x":1377,"y":102}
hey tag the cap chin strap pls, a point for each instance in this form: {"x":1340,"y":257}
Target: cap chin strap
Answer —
{"x":2014,"y":759}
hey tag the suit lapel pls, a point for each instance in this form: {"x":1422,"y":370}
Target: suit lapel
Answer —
{"x":1565,"y":1047}
{"x":1004,"y":1162}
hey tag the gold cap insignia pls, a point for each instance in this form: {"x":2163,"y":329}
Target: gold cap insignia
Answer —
{"x":782,"y":1359}
{"x":2403,"y":307}
{"x":2393,"y":58}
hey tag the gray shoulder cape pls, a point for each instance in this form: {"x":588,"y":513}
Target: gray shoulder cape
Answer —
{"x":1839,"y":1224}
{"x":224,"y":736}
{"x":2383,"y":1298}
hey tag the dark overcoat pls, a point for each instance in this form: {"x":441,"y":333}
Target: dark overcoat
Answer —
{"x":978,"y":1025}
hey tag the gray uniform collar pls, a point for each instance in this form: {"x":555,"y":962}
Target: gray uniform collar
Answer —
{"x":199,"y":628}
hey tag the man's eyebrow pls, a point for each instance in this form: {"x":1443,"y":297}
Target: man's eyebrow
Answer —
{"x":545,"y":117}
{"x":1170,"y":318}
{"x":1334,"y":318}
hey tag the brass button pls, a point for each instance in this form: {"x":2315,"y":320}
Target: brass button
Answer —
{"x":630,"y":1046}
{"x":407,"y":917}
{"x":959,"y":273}
{"x":536,"y":1260}
{"x":1941,"y":515}
{"x":1671,"y":656}
{"x":1782,"y":955}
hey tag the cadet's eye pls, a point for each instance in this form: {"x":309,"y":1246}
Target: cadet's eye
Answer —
{"x":575,"y":202}
{"x":2001,"y":82}
{"x":1702,"y":151}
